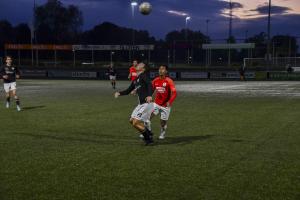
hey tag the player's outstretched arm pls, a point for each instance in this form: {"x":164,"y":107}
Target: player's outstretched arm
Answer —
{"x":127,"y":91}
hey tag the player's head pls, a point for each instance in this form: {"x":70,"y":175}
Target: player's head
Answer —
{"x":141,"y":67}
{"x":163,"y":70}
{"x":8,"y":60}
{"x":135,"y":63}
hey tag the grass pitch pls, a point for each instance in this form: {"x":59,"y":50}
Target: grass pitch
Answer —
{"x":73,"y":141}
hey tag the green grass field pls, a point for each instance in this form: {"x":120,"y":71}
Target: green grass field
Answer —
{"x":72,"y":141}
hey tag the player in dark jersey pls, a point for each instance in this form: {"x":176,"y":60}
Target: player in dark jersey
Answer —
{"x":112,"y":72}
{"x":10,"y":73}
{"x":143,"y":88}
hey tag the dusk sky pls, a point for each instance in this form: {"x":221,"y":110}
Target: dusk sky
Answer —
{"x":168,"y":15}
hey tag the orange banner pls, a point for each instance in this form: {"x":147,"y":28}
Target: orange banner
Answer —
{"x":38,"y":47}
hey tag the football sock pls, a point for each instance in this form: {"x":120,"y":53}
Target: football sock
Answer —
{"x":146,"y":133}
{"x":163,"y":129}
{"x":17,"y":101}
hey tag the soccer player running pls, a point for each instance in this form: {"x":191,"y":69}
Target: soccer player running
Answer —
{"x":10,"y":73}
{"x":112,"y":75}
{"x":132,"y":71}
{"x":165,"y":91}
{"x":143,"y":88}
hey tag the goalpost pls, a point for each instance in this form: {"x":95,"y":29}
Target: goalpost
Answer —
{"x":275,"y":63}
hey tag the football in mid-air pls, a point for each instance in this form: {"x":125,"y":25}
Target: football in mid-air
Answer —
{"x":145,"y":8}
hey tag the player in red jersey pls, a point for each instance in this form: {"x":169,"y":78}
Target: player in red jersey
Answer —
{"x":165,"y":94}
{"x":132,"y":71}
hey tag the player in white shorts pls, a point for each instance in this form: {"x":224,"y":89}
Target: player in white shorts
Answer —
{"x":165,"y":91}
{"x":142,"y":113}
{"x":9,"y":73}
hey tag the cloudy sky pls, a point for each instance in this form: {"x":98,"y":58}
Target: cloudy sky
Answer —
{"x":167,"y":15}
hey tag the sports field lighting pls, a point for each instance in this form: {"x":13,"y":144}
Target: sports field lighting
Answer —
{"x":269,"y":35}
{"x":133,"y":5}
{"x":188,"y":18}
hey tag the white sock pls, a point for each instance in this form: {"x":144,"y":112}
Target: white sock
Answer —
{"x":163,"y":130}
{"x":148,"y":125}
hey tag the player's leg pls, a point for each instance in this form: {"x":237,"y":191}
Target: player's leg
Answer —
{"x":114,"y":83}
{"x":139,"y":125}
{"x":7,"y":97}
{"x":14,"y":94}
{"x":153,"y":112}
{"x":7,"y":94}
{"x":139,"y":116}
{"x":148,"y":124}
{"x":163,"y":129}
{"x":111,"y":81}
{"x":164,"y":114}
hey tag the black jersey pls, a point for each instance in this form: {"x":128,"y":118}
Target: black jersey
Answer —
{"x":143,"y":87}
{"x":112,"y":71}
{"x":11,"y":72}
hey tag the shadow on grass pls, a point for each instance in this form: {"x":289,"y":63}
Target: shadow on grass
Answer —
{"x":111,"y":140}
{"x":183,"y":139}
{"x":32,"y":107}
{"x":102,"y":141}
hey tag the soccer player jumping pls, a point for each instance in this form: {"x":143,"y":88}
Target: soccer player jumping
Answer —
{"x":142,"y":113}
{"x":10,"y":73}
{"x":165,"y":90}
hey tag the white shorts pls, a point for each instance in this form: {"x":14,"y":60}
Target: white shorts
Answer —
{"x":163,"y":111}
{"x":10,"y":87}
{"x":112,"y":78}
{"x":142,"y":112}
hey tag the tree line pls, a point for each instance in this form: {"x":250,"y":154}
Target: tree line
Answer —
{"x":58,"y":24}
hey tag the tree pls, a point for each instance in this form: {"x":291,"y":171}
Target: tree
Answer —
{"x":185,"y":41}
{"x":260,"y":41}
{"x":6,"y":34}
{"x":22,"y":34}
{"x":55,"y":23}
{"x":284,"y":45}
{"x":109,"y":33}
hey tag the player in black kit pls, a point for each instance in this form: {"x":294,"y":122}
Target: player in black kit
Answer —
{"x":10,"y":73}
{"x":142,"y":86}
{"x":112,"y":75}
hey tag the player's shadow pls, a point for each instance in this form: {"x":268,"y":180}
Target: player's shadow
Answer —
{"x":32,"y":107}
{"x":102,"y":141}
{"x":183,"y":139}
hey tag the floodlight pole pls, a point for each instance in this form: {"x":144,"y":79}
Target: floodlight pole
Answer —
{"x":230,"y":32}
{"x":133,"y":5}
{"x":186,"y":37}
{"x":269,"y":37}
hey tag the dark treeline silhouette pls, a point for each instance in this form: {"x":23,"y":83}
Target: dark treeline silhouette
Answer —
{"x":57,"y":24}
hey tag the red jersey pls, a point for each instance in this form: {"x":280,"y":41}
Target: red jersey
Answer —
{"x":165,"y":91}
{"x":132,"y":73}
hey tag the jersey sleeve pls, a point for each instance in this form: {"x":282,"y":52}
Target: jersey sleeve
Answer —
{"x":173,"y":91}
{"x":128,"y":90}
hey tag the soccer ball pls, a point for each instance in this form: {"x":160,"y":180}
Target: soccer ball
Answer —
{"x":145,"y":8}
